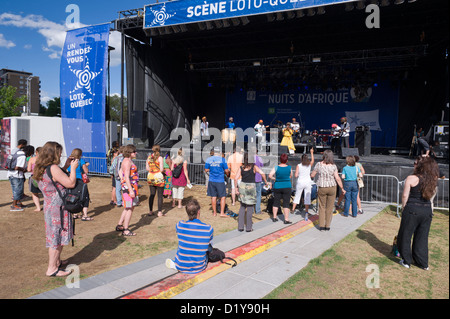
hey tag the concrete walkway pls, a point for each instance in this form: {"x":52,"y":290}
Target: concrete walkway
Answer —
{"x":266,"y":257}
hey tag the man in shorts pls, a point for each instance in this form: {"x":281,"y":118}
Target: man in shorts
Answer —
{"x":217,"y":167}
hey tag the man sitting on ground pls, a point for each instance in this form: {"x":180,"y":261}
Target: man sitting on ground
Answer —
{"x":194,"y":238}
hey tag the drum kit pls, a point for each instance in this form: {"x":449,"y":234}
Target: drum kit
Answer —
{"x":322,"y":137}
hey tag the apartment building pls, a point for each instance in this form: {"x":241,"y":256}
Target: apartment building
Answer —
{"x":27,"y":85}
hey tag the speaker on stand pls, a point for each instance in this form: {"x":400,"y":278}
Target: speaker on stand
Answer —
{"x":363,"y":140}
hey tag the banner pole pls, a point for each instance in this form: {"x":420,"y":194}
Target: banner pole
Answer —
{"x":122,"y":86}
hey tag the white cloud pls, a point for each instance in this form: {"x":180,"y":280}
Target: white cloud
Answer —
{"x":6,"y":43}
{"x":27,"y":46}
{"x":54,"y":34}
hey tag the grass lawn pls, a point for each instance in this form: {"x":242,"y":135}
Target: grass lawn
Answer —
{"x":347,"y":270}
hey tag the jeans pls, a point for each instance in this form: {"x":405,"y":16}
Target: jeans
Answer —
{"x":118,"y":192}
{"x":351,"y":196}
{"x":259,"y":186}
{"x":17,"y":185}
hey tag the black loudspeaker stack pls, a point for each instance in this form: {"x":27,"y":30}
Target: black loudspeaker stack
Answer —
{"x":363,"y":140}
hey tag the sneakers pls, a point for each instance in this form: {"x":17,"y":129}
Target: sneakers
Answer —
{"x":170,"y":264}
{"x":402,"y":262}
{"x":360,"y":211}
{"x":16,"y":209}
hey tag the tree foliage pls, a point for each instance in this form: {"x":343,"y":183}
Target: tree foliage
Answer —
{"x":10,"y":104}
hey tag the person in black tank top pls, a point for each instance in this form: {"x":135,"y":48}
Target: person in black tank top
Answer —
{"x":247,"y":192}
{"x":417,"y":213}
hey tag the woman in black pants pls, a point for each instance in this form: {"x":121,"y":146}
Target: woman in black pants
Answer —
{"x":417,"y":213}
{"x":282,"y":188}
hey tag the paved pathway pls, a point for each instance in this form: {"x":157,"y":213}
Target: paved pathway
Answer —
{"x":266,"y":257}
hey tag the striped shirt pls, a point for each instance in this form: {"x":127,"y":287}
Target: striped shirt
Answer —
{"x":194,"y":238}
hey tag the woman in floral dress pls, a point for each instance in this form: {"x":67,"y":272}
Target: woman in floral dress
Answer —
{"x":58,"y":232}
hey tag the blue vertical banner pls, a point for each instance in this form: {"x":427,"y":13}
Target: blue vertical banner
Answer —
{"x":83,"y":78}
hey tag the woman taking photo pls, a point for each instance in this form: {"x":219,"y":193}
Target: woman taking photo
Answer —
{"x":179,"y":183}
{"x":155,"y":179}
{"x":326,"y":182}
{"x":129,"y":179}
{"x":282,"y":188}
{"x":247,"y":192}
{"x":417,"y":213}
{"x":58,"y":232}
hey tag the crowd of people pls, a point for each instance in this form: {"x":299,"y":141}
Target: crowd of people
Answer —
{"x":168,"y":177}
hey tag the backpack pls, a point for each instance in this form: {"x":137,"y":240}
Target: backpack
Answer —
{"x":177,"y":171}
{"x":215,"y":255}
{"x":74,"y":197}
{"x":11,"y":161}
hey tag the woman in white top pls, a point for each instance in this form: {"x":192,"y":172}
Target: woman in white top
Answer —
{"x":303,"y":175}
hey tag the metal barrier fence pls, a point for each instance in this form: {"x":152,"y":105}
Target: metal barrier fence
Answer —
{"x":377,"y":188}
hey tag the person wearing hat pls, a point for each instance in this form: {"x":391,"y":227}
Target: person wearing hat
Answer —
{"x":345,"y":133}
{"x":230,"y":124}
{"x":336,"y":133}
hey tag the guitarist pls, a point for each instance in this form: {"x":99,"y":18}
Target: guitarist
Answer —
{"x":345,"y":133}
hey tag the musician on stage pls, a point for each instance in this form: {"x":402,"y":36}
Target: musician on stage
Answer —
{"x":230,"y":124}
{"x":345,"y":133}
{"x":287,"y":138}
{"x":335,"y":132}
{"x":260,"y":130}
{"x":204,"y":127}
{"x":296,"y":128}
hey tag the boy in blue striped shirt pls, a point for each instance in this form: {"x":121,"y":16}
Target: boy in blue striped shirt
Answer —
{"x":194,"y":238}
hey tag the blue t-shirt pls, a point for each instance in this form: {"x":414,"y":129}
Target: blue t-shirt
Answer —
{"x":282,"y":177}
{"x":350,"y":172}
{"x":217,"y":166}
{"x":81,"y":162}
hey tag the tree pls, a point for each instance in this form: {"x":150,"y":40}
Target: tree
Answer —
{"x":114,"y":108}
{"x":54,"y":107}
{"x":9,"y":103}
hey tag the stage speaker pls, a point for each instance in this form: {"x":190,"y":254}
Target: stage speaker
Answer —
{"x":363,"y":140}
{"x":349,"y":152}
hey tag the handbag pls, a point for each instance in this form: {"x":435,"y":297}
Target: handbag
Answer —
{"x":360,"y":182}
{"x":85,"y":178}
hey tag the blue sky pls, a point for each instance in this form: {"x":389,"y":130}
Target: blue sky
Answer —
{"x":32,"y":35}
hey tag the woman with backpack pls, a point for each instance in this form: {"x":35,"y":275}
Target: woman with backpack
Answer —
{"x":58,"y":222}
{"x":155,"y":179}
{"x":81,"y":170}
{"x":180,"y":178}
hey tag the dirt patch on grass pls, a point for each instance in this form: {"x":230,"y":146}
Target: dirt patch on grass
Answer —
{"x":98,"y":247}
{"x":342,"y":272}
